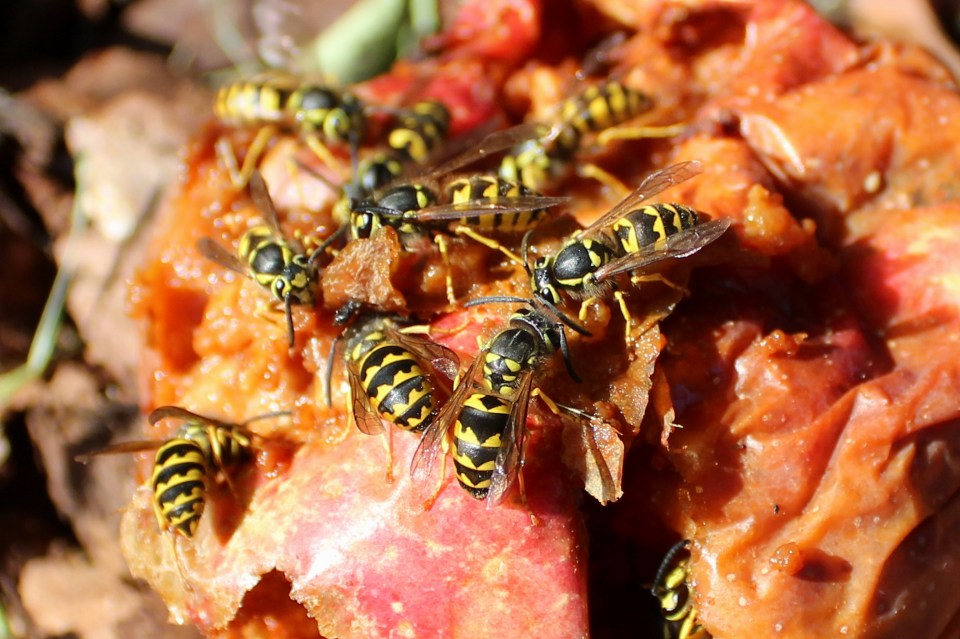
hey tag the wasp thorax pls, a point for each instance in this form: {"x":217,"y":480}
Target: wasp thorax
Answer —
{"x":317,"y":100}
{"x":407,"y":197}
{"x":269,"y":259}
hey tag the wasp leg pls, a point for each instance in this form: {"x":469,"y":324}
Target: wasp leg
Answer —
{"x":173,"y":544}
{"x":351,"y":419}
{"x":584,"y":306}
{"x":488,"y":242}
{"x":387,"y":438}
{"x":240,"y":177}
{"x":321,"y":151}
{"x":639,"y":132}
{"x":441,"y":242}
{"x":534,"y":520}
{"x":658,"y":277}
{"x":441,"y":480}
{"x":593,"y":172}
{"x":268,"y":312}
{"x":627,"y":317}
{"x":216,"y":452}
{"x":621,"y":302}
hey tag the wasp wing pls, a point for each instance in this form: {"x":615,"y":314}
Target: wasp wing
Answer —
{"x":260,"y":195}
{"x":510,"y":456}
{"x":119,"y":448}
{"x":176,"y":412}
{"x":365,"y":416}
{"x":651,"y":186}
{"x":682,"y":244}
{"x":492,"y":143}
{"x":216,"y":253}
{"x":440,"y":358}
{"x":431,"y":442}
{"x":488,"y":206}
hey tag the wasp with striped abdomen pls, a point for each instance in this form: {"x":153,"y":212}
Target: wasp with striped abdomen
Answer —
{"x":274,"y":102}
{"x":186,"y":465}
{"x":414,"y":138}
{"x":483,"y":424}
{"x":272,"y":261}
{"x":675,"y":596}
{"x":539,"y":162}
{"x":435,"y":206}
{"x":629,"y":238}
{"x":394,"y":375}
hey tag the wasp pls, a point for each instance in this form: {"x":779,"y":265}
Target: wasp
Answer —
{"x":419,"y":131}
{"x":628,"y":238}
{"x":675,"y":596}
{"x":269,"y":259}
{"x":277,"y":101}
{"x":430,"y":206}
{"x":414,"y":138}
{"x":541,"y":161}
{"x":393,"y":375}
{"x":185,"y":465}
{"x":602,"y":109}
{"x":484,"y":421}
{"x":387,"y":374}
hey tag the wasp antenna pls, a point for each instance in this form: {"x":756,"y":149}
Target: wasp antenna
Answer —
{"x":565,"y":353}
{"x":270,"y":415}
{"x":563,"y":317}
{"x":333,"y":237}
{"x":312,"y":172}
{"x":525,"y":251}
{"x":288,"y":311}
{"x":497,"y":299}
{"x":328,"y":378}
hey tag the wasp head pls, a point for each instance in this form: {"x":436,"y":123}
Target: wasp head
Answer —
{"x":542,"y":281}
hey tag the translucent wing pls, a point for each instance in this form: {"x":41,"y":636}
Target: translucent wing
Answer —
{"x":216,"y":253}
{"x":364,"y":415}
{"x":488,"y":206}
{"x":601,"y":55}
{"x":492,"y":143}
{"x":121,"y":447}
{"x":650,"y":187}
{"x":176,"y":412}
{"x":260,"y":195}
{"x":682,"y":244}
{"x":431,"y":442}
{"x":510,"y":456}
{"x":440,"y":358}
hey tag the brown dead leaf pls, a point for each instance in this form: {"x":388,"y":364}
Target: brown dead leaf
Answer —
{"x":66,"y":594}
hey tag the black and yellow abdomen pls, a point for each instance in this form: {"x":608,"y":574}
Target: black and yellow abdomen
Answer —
{"x":494,"y":189}
{"x":673,"y":592}
{"x":419,"y":131}
{"x":651,"y":225}
{"x":603,"y":106}
{"x":261,"y":99}
{"x":397,"y":387}
{"x":179,"y":483}
{"x":293,"y":103}
{"x":478,"y":436}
